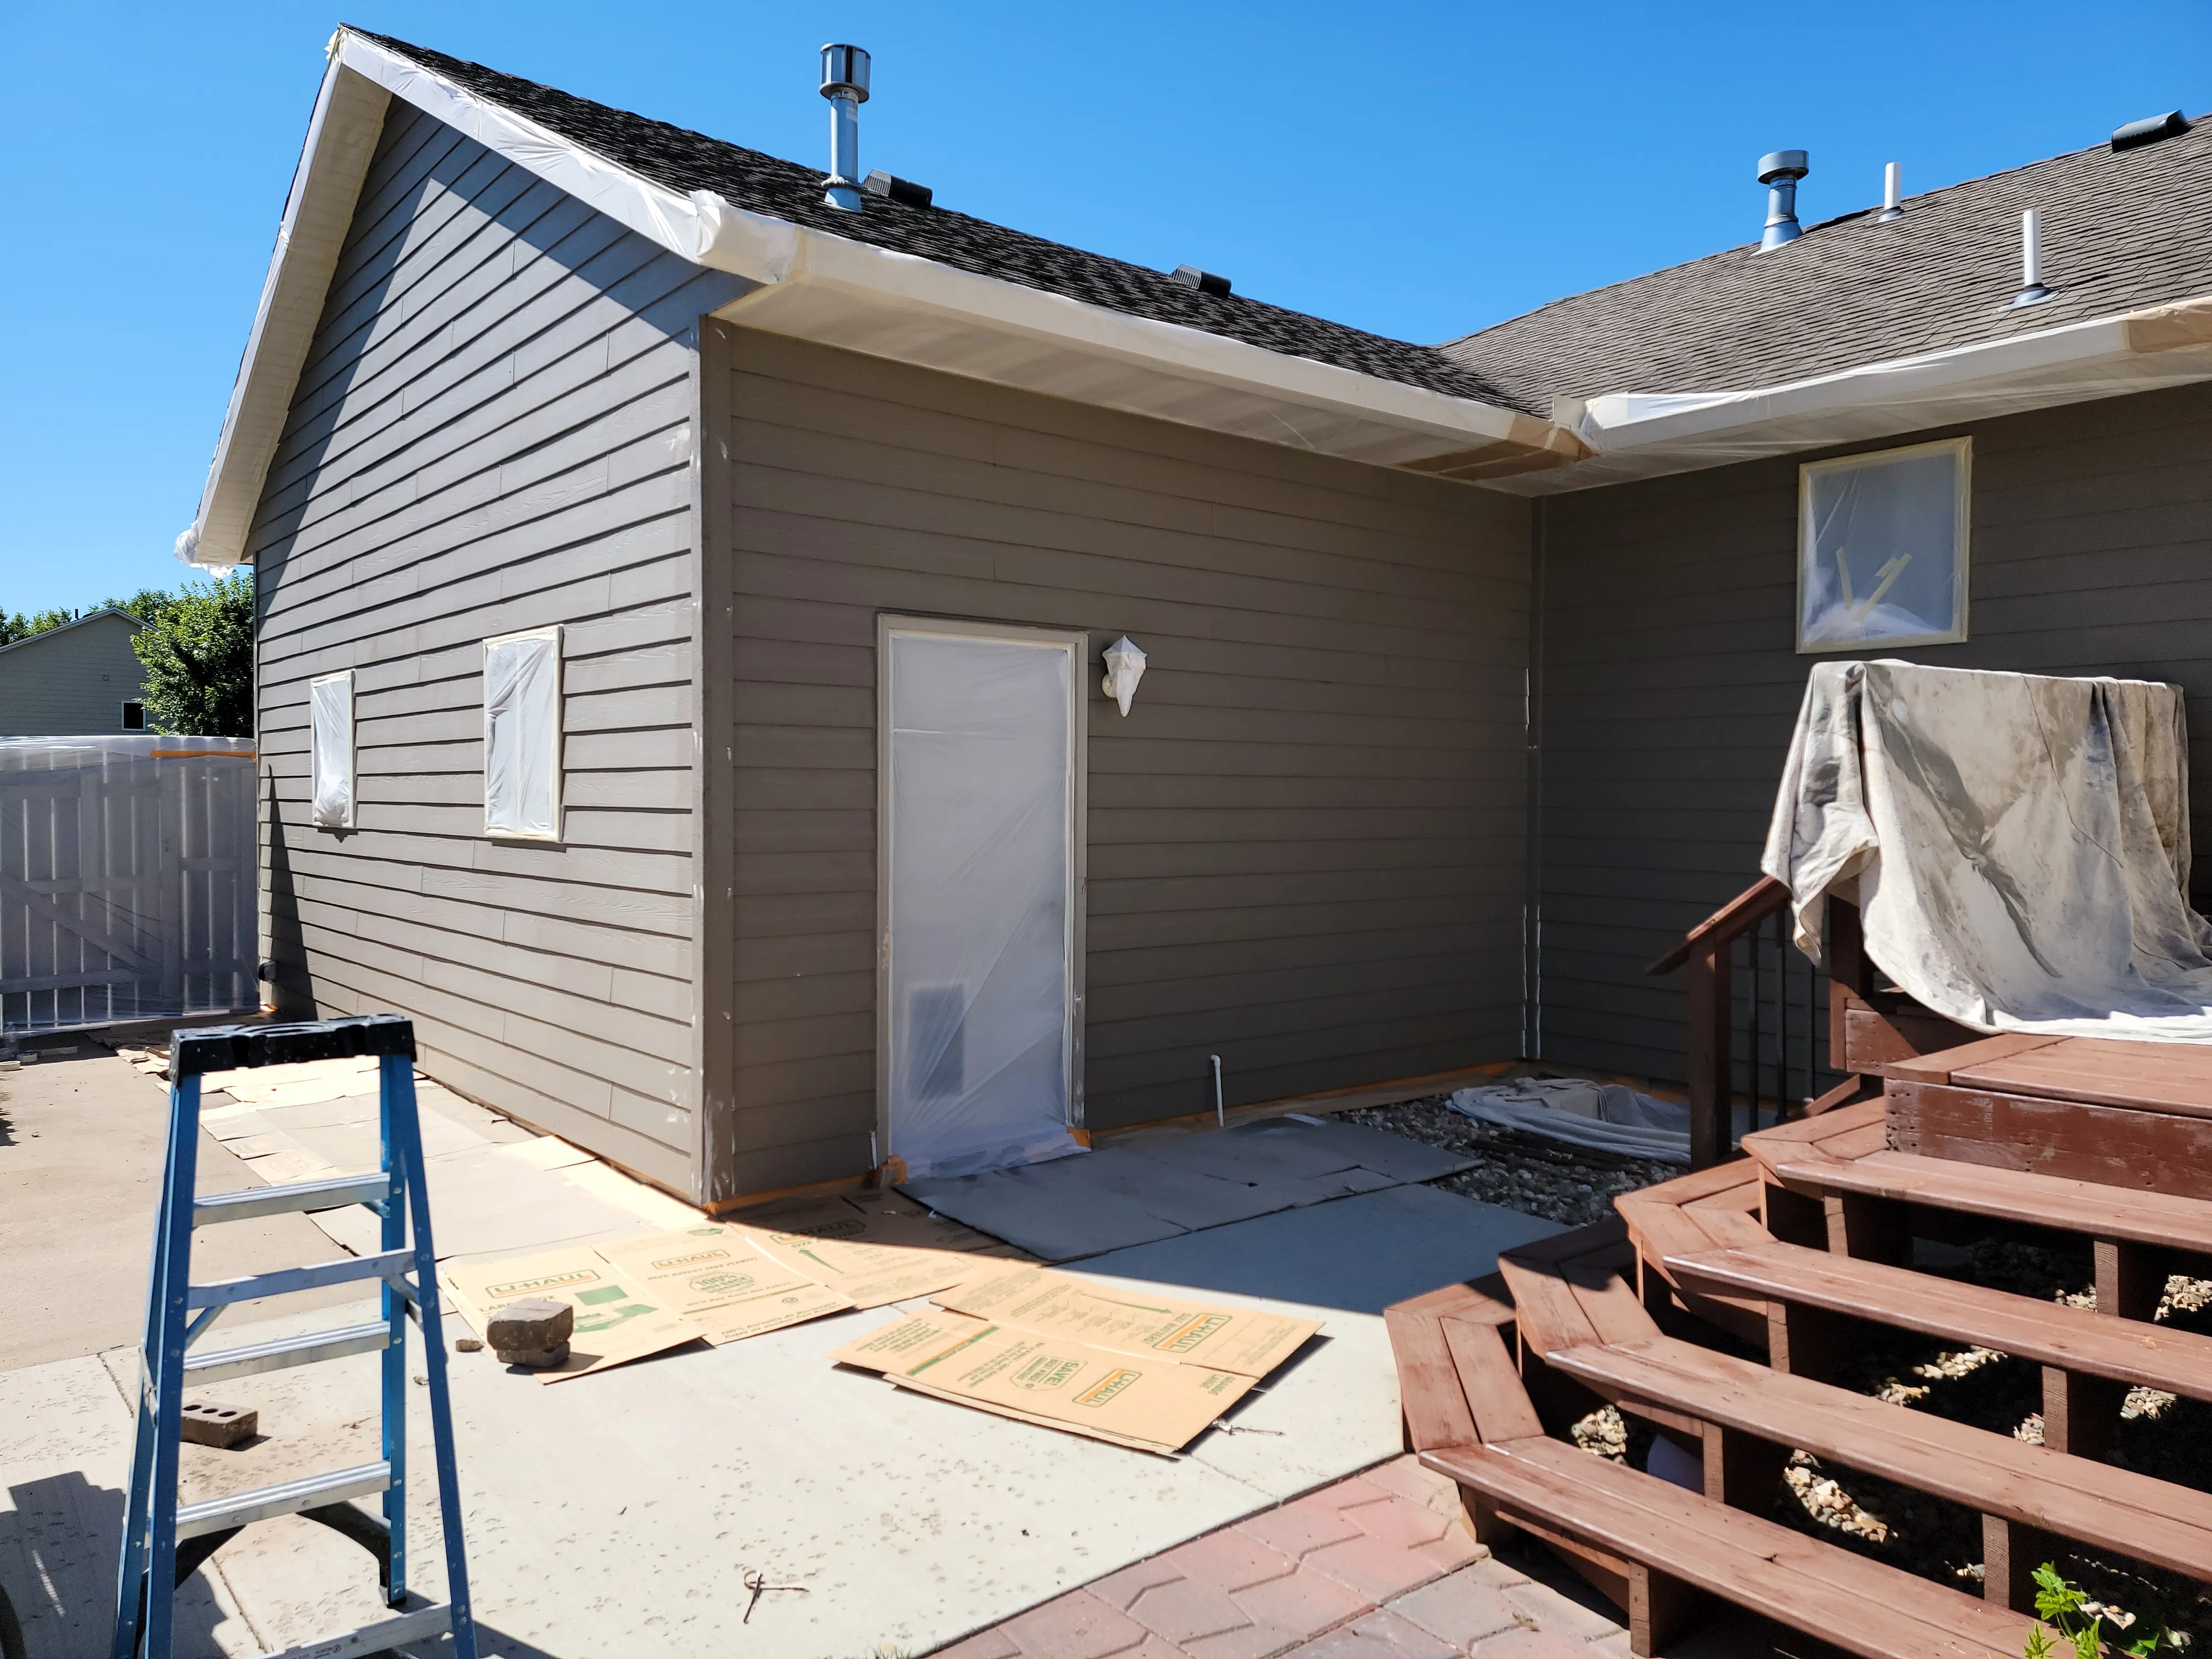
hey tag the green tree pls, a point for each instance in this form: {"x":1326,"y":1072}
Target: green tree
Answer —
{"x":197,"y":651}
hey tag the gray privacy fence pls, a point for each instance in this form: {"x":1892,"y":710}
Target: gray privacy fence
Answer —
{"x":127,"y":887}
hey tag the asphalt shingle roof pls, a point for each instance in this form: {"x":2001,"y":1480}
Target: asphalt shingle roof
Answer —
{"x":686,"y":161}
{"x":2120,"y":232}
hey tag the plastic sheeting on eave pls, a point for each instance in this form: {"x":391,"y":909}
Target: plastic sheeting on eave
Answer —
{"x":1646,"y":435}
{"x":982,"y":326}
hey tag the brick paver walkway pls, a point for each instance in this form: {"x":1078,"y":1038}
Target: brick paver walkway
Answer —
{"x":1380,"y":1566}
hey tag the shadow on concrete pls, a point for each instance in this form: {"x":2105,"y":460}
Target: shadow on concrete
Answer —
{"x":1359,"y":1253}
{"x":57,"y":1555}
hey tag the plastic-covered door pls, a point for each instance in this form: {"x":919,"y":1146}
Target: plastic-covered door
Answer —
{"x":980,"y":830}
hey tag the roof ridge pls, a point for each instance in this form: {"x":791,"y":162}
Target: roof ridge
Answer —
{"x":1923,"y":197}
{"x":1198,"y":309}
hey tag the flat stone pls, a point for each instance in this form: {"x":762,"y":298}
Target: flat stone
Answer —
{"x":1375,"y":1567}
{"x":1461,"y":1609}
{"x":1302,"y":1604}
{"x":1380,"y":1635}
{"x":1184,"y":1611}
{"x":534,"y":1359}
{"x":1299,"y":1527}
{"x":530,"y":1325}
{"x":1396,"y":1520}
{"x":1230,"y":1559}
{"x":1077,"y":1626}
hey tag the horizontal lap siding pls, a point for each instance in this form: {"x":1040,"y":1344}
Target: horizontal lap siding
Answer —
{"x":1305,"y":842}
{"x":492,"y":432}
{"x":1671,"y":681}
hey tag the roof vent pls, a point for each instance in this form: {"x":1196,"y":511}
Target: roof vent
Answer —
{"x":1779,"y":172}
{"x":1893,"y":193}
{"x":904,"y":191}
{"x":1203,"y":281}
{"x":2032,"y":290}
{"x":845,"y":84}
{"x":2148,"y":130}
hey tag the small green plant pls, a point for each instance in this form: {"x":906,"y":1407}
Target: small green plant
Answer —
{"x":2078,"y":1621}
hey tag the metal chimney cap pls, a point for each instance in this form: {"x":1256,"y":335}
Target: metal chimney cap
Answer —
{"x":1782,"y":164}
{"x":845,"y":72}
{"x":2149,"y":131}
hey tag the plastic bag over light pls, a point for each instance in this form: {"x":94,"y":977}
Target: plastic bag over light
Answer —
{"x":1125,"y":666}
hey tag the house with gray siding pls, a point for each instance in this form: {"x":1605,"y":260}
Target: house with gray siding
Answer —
{"x":80,"y":679}
{"x":685,"y":602}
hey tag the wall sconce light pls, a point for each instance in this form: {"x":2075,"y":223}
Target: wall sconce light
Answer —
{"x":1125,"y":666}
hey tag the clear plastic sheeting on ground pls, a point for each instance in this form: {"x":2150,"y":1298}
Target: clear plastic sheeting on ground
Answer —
{"x":1608,"y":1117}
{"x":522,"y":735}
{"x":2018,"y":845}
{"x":980,"y":901}
{"x":126,"y":879}
{"x":331,"y":700}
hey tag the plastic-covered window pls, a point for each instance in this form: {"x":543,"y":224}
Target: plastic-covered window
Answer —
{"x":331,"y":706}
{"x":522,"y":735}
{"x":1882,"y":548}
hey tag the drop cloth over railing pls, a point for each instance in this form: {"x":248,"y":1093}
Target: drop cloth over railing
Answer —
{"x":126,"y":879}
{"x":2018,"y":845}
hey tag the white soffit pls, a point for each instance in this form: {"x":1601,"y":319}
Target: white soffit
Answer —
{"x":889,"y":304}
{"x":1642,"y":435}
{"x":823,"y":287}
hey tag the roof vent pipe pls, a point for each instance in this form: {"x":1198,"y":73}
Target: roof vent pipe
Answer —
{"x":845,"y":84}
{"x":1893,"y":193}
{"x":1779,"y":172}
{"x":2032,"y":290}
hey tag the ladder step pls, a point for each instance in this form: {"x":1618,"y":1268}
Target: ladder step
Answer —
{"x":222,"y":1291}
{"x":325,"y":1194}
{"x":308,"y":1492}
{"x":377,"y":1638}
{"x":312,"y":1348}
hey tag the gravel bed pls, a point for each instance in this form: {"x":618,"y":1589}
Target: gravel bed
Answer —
{"x":1574,"y":1185}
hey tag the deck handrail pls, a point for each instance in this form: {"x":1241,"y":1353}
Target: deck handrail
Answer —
{"x":1708,"y":951}
{"x":1728,"y":924}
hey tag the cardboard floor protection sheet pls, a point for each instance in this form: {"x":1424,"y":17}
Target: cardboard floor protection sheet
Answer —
{"x":717,"y":1281}
{"x":1118,"y":1365}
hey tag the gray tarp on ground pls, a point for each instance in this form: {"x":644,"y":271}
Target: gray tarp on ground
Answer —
{"x":2019,"y":845}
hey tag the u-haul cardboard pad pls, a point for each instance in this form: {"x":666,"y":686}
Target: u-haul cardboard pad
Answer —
{"x":1115,"y":1362}
{"x":716,"y":1281}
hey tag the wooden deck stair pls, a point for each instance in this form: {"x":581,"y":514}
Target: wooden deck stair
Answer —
{"x":1791,"y":1250}
{"x":1471,"y":1402}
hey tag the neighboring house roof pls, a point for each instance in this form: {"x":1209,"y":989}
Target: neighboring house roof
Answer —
{"x":686,"y":161}
{"x":60,"y":629}
{"x":2121,"y":232}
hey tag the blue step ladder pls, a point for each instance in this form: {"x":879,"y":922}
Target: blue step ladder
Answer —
{"x":164,"y":1544}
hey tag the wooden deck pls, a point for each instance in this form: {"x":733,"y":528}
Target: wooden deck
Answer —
{"x":1786,"y":1253}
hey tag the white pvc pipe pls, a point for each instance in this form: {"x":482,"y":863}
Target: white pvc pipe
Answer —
{"x":1892,"y":185}
{"x":1220,"y":1112}
{"x":2031,"y":249}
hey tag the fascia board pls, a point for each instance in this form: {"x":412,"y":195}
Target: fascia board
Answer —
{"x":317,"y":212}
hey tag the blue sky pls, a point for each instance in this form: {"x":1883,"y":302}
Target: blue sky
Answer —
{"x":1420,"y":170}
